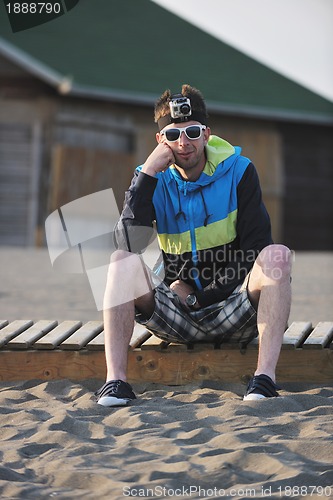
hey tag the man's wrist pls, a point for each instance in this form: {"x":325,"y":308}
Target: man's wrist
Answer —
{"x":149,"y":170}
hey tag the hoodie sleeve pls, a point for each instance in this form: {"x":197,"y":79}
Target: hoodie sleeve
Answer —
{"x":134,"y":229}
{"x":253,"y":234}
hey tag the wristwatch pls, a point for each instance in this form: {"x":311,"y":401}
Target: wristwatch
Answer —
{"x":191,"y":300}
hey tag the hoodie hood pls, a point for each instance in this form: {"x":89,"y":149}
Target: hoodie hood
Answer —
{"x":217,"y":150}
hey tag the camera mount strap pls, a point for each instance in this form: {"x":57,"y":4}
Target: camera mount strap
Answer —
{"x":167,"y":119}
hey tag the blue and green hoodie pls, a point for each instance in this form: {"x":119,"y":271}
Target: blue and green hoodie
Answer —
{"x":210,"y":231}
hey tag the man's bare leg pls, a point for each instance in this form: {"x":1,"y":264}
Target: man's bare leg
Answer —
{"x":270,"y":291}
{"x":126,"y":287}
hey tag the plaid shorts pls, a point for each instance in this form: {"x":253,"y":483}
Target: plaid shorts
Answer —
{"x":233,"y":320}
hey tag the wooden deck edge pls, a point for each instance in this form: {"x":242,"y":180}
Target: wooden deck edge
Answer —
{"x":70,"y":335}
{"x":166,"y":367}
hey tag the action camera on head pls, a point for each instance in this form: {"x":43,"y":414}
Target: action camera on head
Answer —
{"x":180,"y":107}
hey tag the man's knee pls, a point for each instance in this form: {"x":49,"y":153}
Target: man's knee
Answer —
{"x":124,"y":262}
{"x":276,"y":262}
{"x":119,"y":255}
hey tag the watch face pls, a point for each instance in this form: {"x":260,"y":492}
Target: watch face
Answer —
{"x":191,"y":300}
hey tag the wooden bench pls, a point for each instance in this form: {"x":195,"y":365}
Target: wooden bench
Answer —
{"x":47,"y":350}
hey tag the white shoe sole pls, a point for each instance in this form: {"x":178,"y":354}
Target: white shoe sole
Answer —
{"x":112,"y":401}
{"x":254,"y":397}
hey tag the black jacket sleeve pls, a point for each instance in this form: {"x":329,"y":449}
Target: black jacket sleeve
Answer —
{"x":253,"y":234}
{"x":134,"y":230}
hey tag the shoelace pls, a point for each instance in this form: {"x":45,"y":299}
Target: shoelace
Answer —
{"x":264,"y":384}
{"x":108,"y":387}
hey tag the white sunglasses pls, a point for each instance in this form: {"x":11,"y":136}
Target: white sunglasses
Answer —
{"x":192,"y":132}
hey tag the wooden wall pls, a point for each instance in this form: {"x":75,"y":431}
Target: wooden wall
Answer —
{"x":20,"y":166}
{"x":78,"y":171}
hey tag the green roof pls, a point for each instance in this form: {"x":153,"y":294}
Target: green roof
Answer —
{"x":132,"y":50}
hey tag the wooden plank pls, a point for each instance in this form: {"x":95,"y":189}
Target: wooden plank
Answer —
{"x":82,"y":336}
{"x":173,"y":346}
{"x":156,"y":343}
{"x":175,"y":368}
{"x":140,"y":335}
{"x":320,"y":337}
{"x":12,"y":330}
{"x":166,"y":367}
{"x":203,"y":346}
{"x":153,"y":342}
{"x":29,"y":336}
{"x":296,"y":334}
{"x":52,"y":339}
{"x":51,"y":365}
{"x":3,"y":322}
{"x":293,"y":338}
{"x":227,"y":346}
{"x":97,"y":343}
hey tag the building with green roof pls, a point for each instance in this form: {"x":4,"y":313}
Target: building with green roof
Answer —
{"x":77,"y":96}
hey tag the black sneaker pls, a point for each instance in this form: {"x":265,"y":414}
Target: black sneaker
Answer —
{"x":115,"y":393}
{"x":261,"y":386}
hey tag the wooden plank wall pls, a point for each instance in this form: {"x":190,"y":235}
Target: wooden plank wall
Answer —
{"x":18,"y":184}
{"x":78,"y":171}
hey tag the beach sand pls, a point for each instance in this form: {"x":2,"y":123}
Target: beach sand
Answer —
{"x":194,"y":441}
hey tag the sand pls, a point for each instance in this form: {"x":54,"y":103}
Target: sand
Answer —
{"x":194,"y":441}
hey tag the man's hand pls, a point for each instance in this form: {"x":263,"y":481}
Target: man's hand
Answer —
{"x":183,"y":290}
{"x":159,"y":160}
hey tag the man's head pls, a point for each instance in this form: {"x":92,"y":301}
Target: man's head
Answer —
{"x":163,"y":110}
{"x":186,"y":135}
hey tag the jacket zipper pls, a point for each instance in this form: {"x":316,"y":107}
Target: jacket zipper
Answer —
{"x":193,"y":241}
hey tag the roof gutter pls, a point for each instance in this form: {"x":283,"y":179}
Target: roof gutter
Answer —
{"x":32,"y":65}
